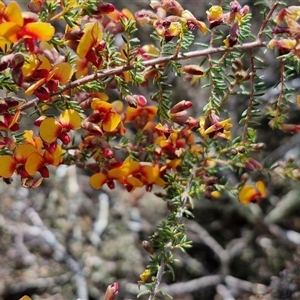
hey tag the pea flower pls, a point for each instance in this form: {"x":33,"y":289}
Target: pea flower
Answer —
{"x":52,"y":129}
{"x":212,"y":127}
{"x":25,"y":161}
{"x":249,"y":194}
{"x":15,"y":25}
{"x":106,"y":115}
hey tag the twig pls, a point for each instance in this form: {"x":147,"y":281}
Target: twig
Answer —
{"x":102,"y":220}
{"x":251,"y":97}
{"x":152,"y":62}
{"x":224,"y":292}
{"x":283,"y":149}
{"x":289,"y":236}
{"x":267,"y":19}
{"x":236,"y":284}
{"x":192,"y":285}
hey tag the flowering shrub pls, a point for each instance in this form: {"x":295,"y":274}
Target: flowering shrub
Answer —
{"x":133,"y":139}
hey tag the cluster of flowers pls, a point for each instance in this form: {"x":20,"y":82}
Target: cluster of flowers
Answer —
{"x":41,"y":70}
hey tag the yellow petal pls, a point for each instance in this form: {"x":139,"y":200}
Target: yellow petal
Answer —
{"x":35,"y":86}
{"x":50,"y":129}
{"x":38,"y":30}
{"x":5,"y":44}
{"x":214,"y":13}
{"x":8,"y":166}
{"x":298,"y":100}
{"x":150,"y":173}
{"x":9,"y":31}
{"x":129,"y":167}
{"x":246,"y":193}
{"x":13,"y":14}
{"x":111,"y":121}
{"x":62,"y":72}
{"x":30,"y":139}
{"x":100,"y":105}
{"x":118,"y":106}
{"x":160,"y":182}
{"x":25,"y":298}
{"x":23,"y":152}
{"x":34,"y":162}
{"x":133,"y":181}
{"x":261,"y":188}
{"x":97,"y":180}
{"x":81,"y":67}
{"x":54,"y":158}
{"x":70,"y":119}
{"x":145,"y":275}
{"x":92,"y":36}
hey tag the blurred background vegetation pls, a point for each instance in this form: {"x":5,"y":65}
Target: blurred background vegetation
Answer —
{"x":65,"y":239}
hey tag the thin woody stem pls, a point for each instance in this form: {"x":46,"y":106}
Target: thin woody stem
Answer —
{"x":148,"y":63}
{"x":251,"y":97}
{"x":267,"y":19}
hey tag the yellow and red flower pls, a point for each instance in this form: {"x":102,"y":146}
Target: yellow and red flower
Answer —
{"x":52,"y":129}
{"x":15,"y":25}
{"x":106,"y":115}
{"x":140,"y":115}
{"x":37,"y":71}
{"x":250,"y":194}
{"x":131,"y":174}
{"x":25,"y":161}
{"x":212,"y":127}
{"x":114,"y":25}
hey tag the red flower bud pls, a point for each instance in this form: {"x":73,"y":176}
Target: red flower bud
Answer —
{"x":252,"y":165}
{"x":65,"y":138}
{"x":180,"y":106}
{"x":105,"y":8}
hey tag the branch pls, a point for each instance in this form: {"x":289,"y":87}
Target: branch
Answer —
{"x":148,"y":63}
{"x":192,"y":285}
{"x":267,"y":19}
{"x":102,"y":220}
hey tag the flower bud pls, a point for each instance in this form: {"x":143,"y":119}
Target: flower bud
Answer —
{"x":244,"y":177}
{"x":148,"y":247}
{"x":193,"y":70}
{"x":172,"y":7}
{"x":241,"y":149}
{"x":211,"y":180}
{"x":252,"y":165}
{"x":180,"y":106}
{"x":233,"y":152}
{"x":18,"y":61}
{"x":259,"y":146}
{"x":111,"y":291}
{"x":92,"y":128}
{"x":136,"y":100}
{"x":105,"y":8}
{"x":145,"y":17}
{"x":170,"y":206}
